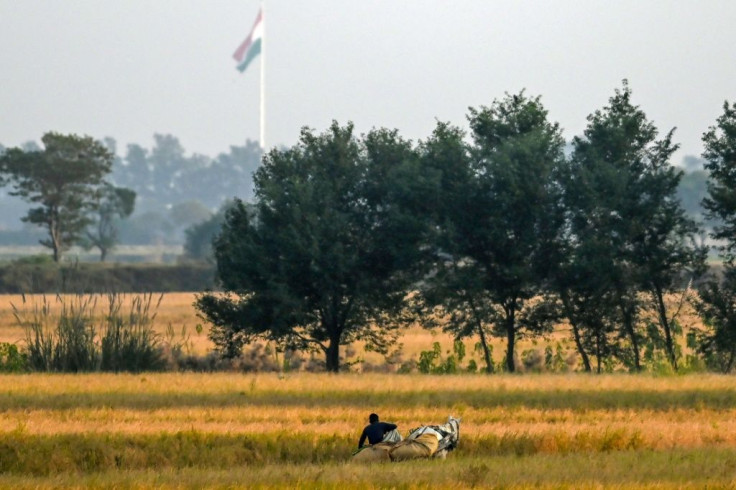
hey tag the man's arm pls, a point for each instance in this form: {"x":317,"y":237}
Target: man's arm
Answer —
{"x":362,"y":439}
{"x":388,"y":427}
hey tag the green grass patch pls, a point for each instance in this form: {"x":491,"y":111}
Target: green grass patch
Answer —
{"x":36,"y":454}
{"x":705,"y":468}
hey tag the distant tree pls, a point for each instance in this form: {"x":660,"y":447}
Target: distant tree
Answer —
{"x":325,"y":258}
{"x":186,"y":213}
{"x":63,"y":179}
{"x":199,"y":236}
{"x":692,"y":190}
{"x":113,"y":204}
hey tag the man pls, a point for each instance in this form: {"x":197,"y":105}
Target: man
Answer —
{"x":375,"y":431}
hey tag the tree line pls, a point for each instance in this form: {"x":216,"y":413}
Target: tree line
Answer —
{"x":490,"y":232}
{"x":173,"y":190}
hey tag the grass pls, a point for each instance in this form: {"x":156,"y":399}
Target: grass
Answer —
{"x":627,"y":469}
{"x":229,"y":430}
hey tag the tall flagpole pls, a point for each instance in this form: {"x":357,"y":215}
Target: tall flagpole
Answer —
{"x":263,"y":77}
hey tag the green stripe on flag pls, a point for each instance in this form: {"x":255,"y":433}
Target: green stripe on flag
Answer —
{"x":254,"y":51}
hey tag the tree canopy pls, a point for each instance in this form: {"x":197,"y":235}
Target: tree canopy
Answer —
{"x":324,"y":257}
{"x":62,"y":181}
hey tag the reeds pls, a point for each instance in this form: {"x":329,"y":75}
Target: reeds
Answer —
{"x":69,"y":334}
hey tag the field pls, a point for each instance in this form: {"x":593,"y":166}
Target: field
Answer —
{"x":232,"y":430}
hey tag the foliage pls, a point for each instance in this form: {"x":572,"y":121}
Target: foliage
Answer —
{"x":164,"y":175}
{"x":497,"y":214}
{"x":63,"y":180}
{"x":199,"y":236}
{"x":716,"y":305}
{"x":12,"y":360}
{"x":628,"y":231}
{"x":720,"y":155}
{"x":326,"y":256}
{"x":113,"y":203}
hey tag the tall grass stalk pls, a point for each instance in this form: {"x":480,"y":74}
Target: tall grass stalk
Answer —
{"x":129,"y":342}
{"x":73,"y":336}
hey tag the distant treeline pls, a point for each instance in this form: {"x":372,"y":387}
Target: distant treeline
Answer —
{"x":36,"y":276}
{"x":173,"y":190}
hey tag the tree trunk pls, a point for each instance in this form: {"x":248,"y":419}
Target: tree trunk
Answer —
{"x":662,"y":313}
{"x":629,"y":329}
{"x":576,"y":332}
{"x":103,"y":254}
{"x":598,"y":353}
{"x":579,"y":345}
{"x":482,"y":334}
{"x":332,"y":353}
{"x":486,"y":350}
{"x":510,"y":338}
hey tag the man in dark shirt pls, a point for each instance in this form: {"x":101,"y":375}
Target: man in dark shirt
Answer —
{"x":375,"y":431}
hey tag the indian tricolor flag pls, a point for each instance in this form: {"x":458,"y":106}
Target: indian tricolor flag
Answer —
{"x":251,"y":47}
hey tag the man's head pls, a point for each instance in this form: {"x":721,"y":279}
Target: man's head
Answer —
{"x":373,"y":418}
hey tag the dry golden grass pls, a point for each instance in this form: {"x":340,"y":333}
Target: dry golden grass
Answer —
{"x":321,"y":404}
{"x":177,"y":311}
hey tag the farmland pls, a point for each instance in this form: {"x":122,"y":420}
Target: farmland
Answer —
{"x":298,"y":429}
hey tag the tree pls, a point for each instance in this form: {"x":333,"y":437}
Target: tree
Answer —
{"x":63,"y":179}
{"x":717,"y":305}
{"x":720,"y":155}
{"x":622,"y":194}
{"x":326,"y":257}
{"x":113,"y":204}
{"x":199,"y":236}
{"x":497,"y":216}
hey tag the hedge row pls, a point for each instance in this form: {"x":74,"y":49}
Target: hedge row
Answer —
{"x":21,"y":278}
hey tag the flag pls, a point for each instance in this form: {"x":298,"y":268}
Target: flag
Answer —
{"x":251,"y":47}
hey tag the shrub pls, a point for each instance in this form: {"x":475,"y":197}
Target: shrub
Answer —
{"x":12,"y":360}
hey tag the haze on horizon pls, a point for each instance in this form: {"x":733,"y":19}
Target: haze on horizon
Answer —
{"x":132,"y":68}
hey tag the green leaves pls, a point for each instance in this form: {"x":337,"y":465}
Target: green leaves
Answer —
{"x":63,"y":179}
{"x":327,"y":254}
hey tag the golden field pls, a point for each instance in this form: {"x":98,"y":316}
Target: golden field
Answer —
{"x":298,"y":430}
{"x":176,"y":311}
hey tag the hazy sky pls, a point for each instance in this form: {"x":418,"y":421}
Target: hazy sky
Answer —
{"x":131,"y":68}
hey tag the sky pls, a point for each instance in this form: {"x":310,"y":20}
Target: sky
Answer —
{"x":127,"y":69}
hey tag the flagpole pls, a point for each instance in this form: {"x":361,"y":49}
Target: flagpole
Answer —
{"x":263,"y":78}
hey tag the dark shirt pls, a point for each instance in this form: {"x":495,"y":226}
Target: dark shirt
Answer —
{"x":375,"y":432}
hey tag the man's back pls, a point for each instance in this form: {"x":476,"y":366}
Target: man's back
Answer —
{"x":375,"y":432}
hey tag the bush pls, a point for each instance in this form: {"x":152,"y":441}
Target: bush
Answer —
{"x":11,"y":359}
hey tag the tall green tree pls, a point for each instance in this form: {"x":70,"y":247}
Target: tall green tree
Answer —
{"x":623,"y":195}
{"x":720,"y":156}
{"x":62,"y":181}
{"x":113,"y":204}
{"x":717,"y":297}
{"x":455,"y":285}
{"x":498,"y":217}
{"x":326,"y":257}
